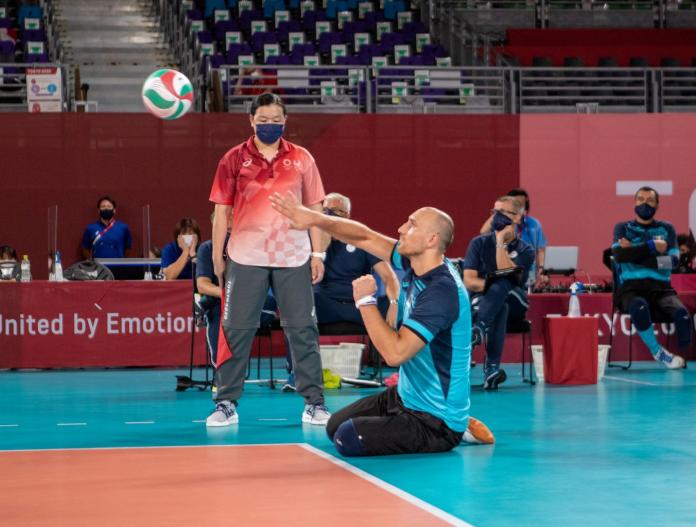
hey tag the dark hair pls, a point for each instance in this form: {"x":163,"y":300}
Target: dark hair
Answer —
{"x":187,"y":223}
{"x":682,"y":239}
{"x":106,"y":198}
{"x":515,"y":192}
{"x":7,"y":252}
{"x":266,"y":99}
{"x":647,"y":189}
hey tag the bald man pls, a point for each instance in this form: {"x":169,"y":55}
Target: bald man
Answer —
{"x":428,"y":411}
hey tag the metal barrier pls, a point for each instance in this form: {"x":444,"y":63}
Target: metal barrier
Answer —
{"x":558,"y":90}
{"x":677,"y":87}
{"x":337,"y":88}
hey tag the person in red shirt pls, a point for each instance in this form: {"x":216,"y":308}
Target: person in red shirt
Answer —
{"x":263,"y":251}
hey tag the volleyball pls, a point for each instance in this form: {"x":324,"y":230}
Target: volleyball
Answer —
{"x":167,"y":94}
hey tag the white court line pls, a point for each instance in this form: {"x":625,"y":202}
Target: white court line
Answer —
{"x":198,"y":421}
{"x":139,"y":422}
{"x":9,"y":426}
{"x":272,"y":419}
{"x":438,"y":513}
{"x":646,"y":383}
{"x":71,"y":424}
{"x":87,"y":449}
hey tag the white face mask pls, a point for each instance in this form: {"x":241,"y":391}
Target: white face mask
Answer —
{"x":188,"y":239}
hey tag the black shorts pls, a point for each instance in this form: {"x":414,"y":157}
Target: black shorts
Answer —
{"x":660,"y":296}
{"x":385,"y":426}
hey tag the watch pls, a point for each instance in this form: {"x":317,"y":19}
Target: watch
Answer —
{"x":501,"y":245}
{"x":321,"y":256}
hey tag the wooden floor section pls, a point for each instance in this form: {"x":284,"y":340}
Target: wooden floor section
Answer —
{"x":264,"y":485}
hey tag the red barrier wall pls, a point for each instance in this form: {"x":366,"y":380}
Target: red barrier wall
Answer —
{"x":571,"y":164}
{"x":388,"y":165}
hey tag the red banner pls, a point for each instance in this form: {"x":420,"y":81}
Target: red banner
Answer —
{"x":117,"y":324}
{"x":96,"y":324}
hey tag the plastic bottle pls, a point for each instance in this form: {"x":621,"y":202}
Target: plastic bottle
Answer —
{"x":574,"y":304}
{"x":25,"y":269}
{"x":58,"y":273}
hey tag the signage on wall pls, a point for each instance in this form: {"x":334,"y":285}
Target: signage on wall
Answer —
{"x":44,"y":89}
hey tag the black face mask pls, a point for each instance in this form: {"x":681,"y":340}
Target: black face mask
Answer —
{"x":106,"y":214}
{"x":645,"y":212}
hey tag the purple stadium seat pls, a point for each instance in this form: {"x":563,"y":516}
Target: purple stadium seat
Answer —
{"x":205,"y":37}
{"x":299,"y":51}
{"x":286,"y":27}
{"x":223,"y":27}
{"x":278,"y":59}
{"x":194,"y":14}
{"x":234,"y":50}
{"x":351,"y":28}
{"x":36,"y":58}
{"x":372,"y":17}
{"x":247,"y":16}
{"x":326,"y":40}
{"x":389,"y":40}
{"x":34,"y":35}
{"x":260,"y":38}
{"x":6,"y":22}
{"x":310,"y":19}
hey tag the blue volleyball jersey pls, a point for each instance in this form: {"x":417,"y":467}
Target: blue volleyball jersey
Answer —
{"x":436,"y":308}
{"x":637,"y":234}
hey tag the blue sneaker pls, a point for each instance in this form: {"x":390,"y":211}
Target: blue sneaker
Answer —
{"x":670,"y":360}
{"x":289,"y":385}
{"x":493,"y":376}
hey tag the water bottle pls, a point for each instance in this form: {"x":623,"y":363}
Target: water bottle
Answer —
{"x":25,"y":269}
{"x":58,"y":273}
{"x":574,"y":304}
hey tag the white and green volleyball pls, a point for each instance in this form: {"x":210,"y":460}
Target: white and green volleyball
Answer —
{"x":167,"y":94}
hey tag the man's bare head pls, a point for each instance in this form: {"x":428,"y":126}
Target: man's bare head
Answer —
{"x":427,"y":229}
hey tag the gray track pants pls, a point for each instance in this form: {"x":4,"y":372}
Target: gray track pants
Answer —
{"x":245,"y":292}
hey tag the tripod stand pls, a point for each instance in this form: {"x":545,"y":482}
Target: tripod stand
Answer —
{"x":183,"y":382}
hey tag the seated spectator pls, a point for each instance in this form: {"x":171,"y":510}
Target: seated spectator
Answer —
{"x":529,"y":231}
{"x":687,"y":253}
{"x":108,"y":237}
{"x":645,"y":252}
{"x":211,"y":292}
{"x":177,"y":255}
{"x":9,"y":266}
{"x":495,"y":301}
{"x":344,"y":263}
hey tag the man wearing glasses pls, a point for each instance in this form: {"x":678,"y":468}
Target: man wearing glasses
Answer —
{"x":645,"y":252}
{"x":496,"y":267}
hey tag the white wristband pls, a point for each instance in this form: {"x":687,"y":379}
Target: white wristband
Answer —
{"x":368,"y":300}
{"x":321,"y":256}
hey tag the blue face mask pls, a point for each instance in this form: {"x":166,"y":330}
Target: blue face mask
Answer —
{"x":645,"y":211}
{"x":500,"y":221}
{"x":269,"y":133}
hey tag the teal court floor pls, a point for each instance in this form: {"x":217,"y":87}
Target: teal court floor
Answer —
{"x":622,"y":452}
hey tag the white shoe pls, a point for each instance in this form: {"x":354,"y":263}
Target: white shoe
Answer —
{"x":670,"y":360}
{"x":316,"y":414}
{"x":225,"y":414}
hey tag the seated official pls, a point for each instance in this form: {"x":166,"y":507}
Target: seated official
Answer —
{"x":645,"y":252}
{"x":343,"y":263}
{"x":495,"y":301}
{"x":333,"y":296}
{"x":211,"y":292}
{"x":9,"y":266}
{"x":108,"y":237}
{"x":529,"y":231}
{"x":177,"y":255}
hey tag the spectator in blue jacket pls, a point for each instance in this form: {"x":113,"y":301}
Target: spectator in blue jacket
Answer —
{"x":177,"y":255}
{"x":108,"y":237}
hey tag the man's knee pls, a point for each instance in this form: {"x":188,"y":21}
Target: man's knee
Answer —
{"x":347,"y":440}
{"x":640,"y":314}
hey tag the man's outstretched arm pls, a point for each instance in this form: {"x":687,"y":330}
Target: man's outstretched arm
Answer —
{"x":348,"y":231}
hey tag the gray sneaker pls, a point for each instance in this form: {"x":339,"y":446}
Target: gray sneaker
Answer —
{"x":225,"y":414}
{"x":316,"y":414}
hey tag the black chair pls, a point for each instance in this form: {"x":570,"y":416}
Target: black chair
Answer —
{"x":656,"y":317}
{"x":261,"y":333}
{"x":523,"y":327}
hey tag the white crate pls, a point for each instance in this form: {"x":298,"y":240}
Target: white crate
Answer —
{"x":538,"y":357}
{"x":343,"y":359}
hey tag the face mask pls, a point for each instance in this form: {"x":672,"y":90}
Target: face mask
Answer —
{"x":106,"y":214}
{"x":500,"y":221}
{"x":645,"y":211}
{"x":269,"y":133}
{"x":188,"y":239}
